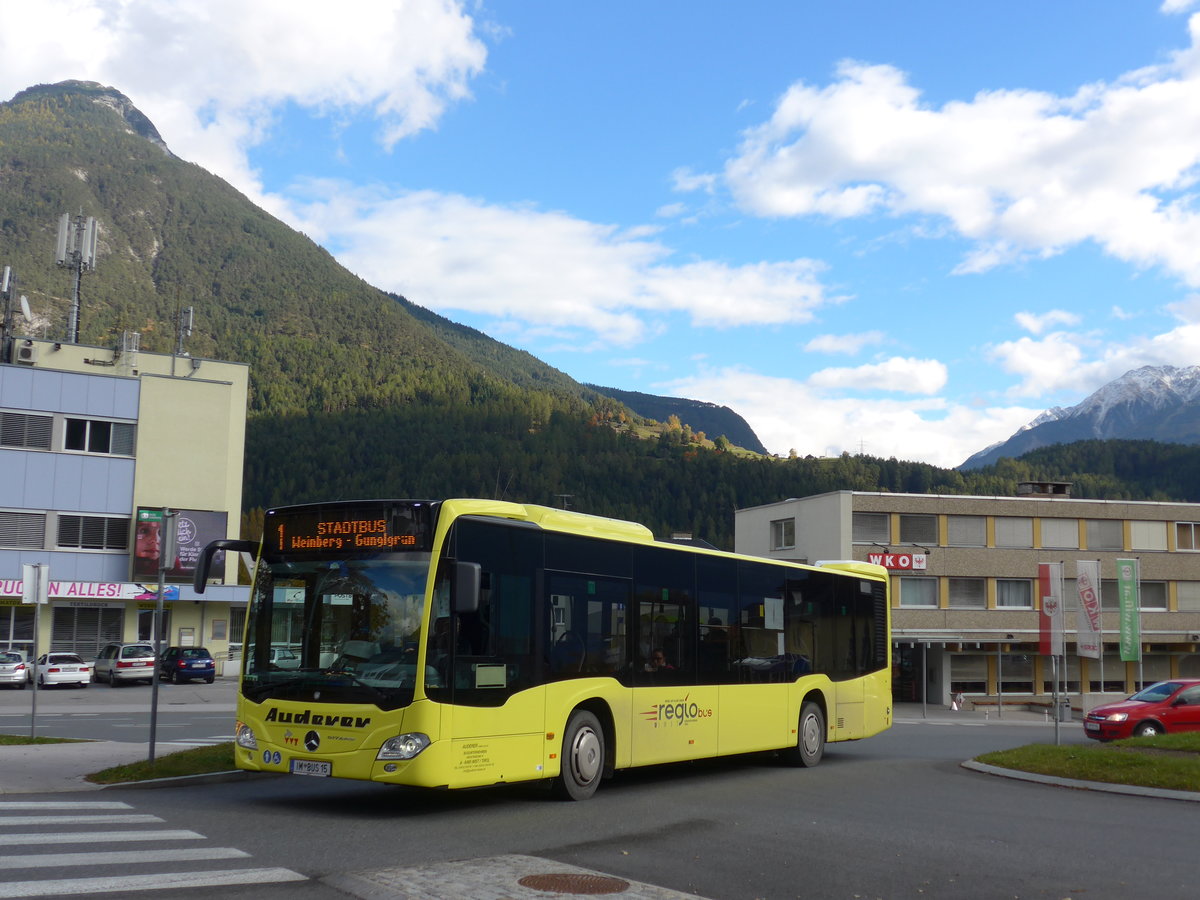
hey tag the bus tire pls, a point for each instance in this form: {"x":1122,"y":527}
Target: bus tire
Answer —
{"x":810,"y":737}
{"x":582,"y":757}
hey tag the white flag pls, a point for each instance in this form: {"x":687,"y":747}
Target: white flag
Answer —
{"x":1087,"y":616}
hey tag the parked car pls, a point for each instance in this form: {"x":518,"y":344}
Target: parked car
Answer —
{"x":180,"y":664}
{"x":13,"y":670}
{"x":61,"y":668}
{"x":283,"y":658}
{"x":123,"y":663}
{"x":1160,"y":708}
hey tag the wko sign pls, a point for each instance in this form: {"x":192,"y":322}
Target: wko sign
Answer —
{"x":904,"y":562}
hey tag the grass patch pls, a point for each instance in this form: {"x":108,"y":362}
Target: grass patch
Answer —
{"x":196,"y":761}
{"x":14,"y":740}
{"x":1169,"y":761}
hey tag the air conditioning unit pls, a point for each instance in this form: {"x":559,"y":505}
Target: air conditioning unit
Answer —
{"x":26,"y":353}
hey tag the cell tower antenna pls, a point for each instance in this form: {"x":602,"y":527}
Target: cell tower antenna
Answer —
{"x":76,"y":250}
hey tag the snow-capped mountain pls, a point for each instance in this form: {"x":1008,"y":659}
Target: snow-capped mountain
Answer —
{"x":1160,"y":403}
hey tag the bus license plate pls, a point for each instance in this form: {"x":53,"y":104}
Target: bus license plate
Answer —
{"x":311,"y":767}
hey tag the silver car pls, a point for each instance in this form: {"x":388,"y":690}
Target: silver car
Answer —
{"x":124,"y":663}
{"x":13,"y":669}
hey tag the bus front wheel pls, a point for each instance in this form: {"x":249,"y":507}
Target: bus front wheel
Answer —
{"x":810,"y":737}
{"x":582,"y":757}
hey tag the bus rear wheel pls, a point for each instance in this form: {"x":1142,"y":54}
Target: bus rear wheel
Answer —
{"x":582,"y":757}
{"x":810,"y":737}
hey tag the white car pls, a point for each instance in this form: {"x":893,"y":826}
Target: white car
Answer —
{"x":283,"y":658}
{"x":61,"y":668}
{"x":13,"y":669}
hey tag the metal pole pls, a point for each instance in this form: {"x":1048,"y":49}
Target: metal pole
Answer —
{"x":37,"y":631}
{"x":924,"y":684}
{"x":166,"y":559}
{"x":999,"y":680}
{"x":1054,"y":671}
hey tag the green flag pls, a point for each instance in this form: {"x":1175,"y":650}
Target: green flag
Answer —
{"x":1127,"y":594}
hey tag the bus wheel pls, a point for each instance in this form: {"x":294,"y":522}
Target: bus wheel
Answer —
{"x":810,"y":742}
{"x":582,"y":757}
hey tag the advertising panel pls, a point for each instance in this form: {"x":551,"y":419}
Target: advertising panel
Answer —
{"x":194,"y":529}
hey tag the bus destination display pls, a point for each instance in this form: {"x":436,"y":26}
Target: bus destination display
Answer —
{"x":348,"y":530}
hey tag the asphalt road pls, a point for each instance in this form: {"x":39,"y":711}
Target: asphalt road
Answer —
{"x":894,"y":816}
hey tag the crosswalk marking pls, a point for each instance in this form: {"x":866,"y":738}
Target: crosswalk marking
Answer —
{"x":26,"y":821}
{"x":61,"y":860}
{"x":165,"y":881}
{"x":91,"y":837}
{"x":87,"y":814}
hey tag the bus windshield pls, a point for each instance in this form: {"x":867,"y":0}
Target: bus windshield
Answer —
{"x":336,"y":631}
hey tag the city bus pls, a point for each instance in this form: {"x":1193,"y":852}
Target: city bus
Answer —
{"x":463,"y":643}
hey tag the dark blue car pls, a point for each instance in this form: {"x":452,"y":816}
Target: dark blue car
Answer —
{"x":180,"y":664}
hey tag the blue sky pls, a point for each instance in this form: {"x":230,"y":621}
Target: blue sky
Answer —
{"x":905,"y":229}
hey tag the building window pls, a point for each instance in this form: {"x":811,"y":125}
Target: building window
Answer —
{"x":918,"y":530}
{"x":783,"y":534}
{"x":93,"y":532}
{"x":871,"y":528}
{"x":1014,"y":593}
{"x":1016,"y":673}
{"x":96,"y":436}
{"x":966,"y":531}
{"x":968,"y":673}
{"x":1153,"y":594}
{"x":1060,"y":534}
{"x":23,"y":530}
{"x":29,"y":432}
{"x":1187,"y":596}
{"x":1014,"y":532}
{"x":1105,"y":534}
{"x":918,"y":592}
{"x":1148,"y":535}
{"x":1187,"y":535}
{"x":968,"y":593}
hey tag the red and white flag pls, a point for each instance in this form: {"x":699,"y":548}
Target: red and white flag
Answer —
{"x":1087,"y":616}
{"x":1050,"y":620}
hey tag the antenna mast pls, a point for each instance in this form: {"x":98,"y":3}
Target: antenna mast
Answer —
{"x":76,"y":251}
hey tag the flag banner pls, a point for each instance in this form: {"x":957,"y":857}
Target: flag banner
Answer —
{"x":1128,"y":600}
{"x":1088,"y":624}
{"x":1050,"y":620}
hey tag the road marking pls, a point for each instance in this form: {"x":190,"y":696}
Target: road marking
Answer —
{"x":80,"y":837}
{"x":164,"y":881}
{"x":48,"y":860}
{"x":63,"y":804}
{"x":132,"y":819}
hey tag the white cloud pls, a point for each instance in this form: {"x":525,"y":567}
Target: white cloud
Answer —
{"x":1036,"y":324}
{"x":1062,"y":361}
{"x":898,"y":374}
{"x":212,"y":89}
{"x":1019,"y":172}
{"x":848,"y":344}
{"x":931,"y":430}
{"x":546,"y":269}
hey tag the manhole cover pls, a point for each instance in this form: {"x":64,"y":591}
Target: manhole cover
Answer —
{"x":569,"y":883}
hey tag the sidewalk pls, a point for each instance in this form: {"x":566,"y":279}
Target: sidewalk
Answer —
{"x":43,"y":768}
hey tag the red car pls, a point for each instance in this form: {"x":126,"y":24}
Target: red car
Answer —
{"x":1160,"y":708}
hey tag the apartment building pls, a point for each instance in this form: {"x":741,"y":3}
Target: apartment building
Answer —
{"x":95,"y":444}
{"x":964,"y":571}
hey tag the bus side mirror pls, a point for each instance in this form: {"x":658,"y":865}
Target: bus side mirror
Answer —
{"x":468,"y":577}
{"x":204,"y":563}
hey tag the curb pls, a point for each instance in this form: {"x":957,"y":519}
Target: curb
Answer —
{"x":187,"y":780}
{"x":1106,"y":787}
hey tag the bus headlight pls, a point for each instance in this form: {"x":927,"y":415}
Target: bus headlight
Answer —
{"x":404,"y":746}
{"x":244,"y":737}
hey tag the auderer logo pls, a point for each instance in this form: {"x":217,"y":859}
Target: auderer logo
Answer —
{"x":308,"y":717}
{"x":676,"y":712}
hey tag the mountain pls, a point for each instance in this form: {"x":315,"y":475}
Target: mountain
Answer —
{"x":710,"y":418}
{"x":1160,"y":403}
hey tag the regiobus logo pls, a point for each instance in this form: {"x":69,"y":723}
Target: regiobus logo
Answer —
{"x":675,"y":712}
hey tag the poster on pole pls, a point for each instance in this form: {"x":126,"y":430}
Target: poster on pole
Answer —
{"x":1088,"y":623}
{"x":1050,"y":620}
{"x":1130,"y":609}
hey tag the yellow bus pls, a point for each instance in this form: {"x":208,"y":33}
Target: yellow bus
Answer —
{"x":462,"y":643}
